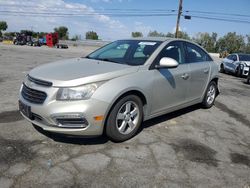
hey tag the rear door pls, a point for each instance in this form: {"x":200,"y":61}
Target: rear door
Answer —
{"x":199,"y":65}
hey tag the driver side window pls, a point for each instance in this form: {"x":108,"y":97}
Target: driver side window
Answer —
{"x":234,"y":58}
{"x":172,"y":50}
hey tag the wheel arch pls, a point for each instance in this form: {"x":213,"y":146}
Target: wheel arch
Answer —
{"x":126,"y":93}
{"x":216,"y":80}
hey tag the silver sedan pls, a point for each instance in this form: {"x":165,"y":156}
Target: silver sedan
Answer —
{"x":115,"y":88}
{"x":237,"y":63}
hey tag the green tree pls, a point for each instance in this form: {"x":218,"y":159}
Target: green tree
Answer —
{"x":247,"y":46}
{"x":62,"y":32}
{"x":27,"y":32}
{"x":207,"y":41}
{"x":9,"y":35}
{"x":3,"y":27}
{"x":91,"y":35}
{"x":183,"y":35}
{"x":75,"y":38}
{"x":232,"y":42}
{"x":156,"y":34}
{"x":42,"y":34}
{"x":136,"y":34}
{"x":170,"y":35}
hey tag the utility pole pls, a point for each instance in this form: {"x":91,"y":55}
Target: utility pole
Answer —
{"x":178,"y":19}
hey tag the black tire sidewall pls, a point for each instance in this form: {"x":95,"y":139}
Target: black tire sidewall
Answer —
{"x":111,"y":129}
{"x":204,"y":102}
{"x":222,"y":68}
{"x":238,"y":72}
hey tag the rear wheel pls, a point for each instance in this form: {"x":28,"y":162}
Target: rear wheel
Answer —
{"x":209,"y":98}
{"x":125,"y":118}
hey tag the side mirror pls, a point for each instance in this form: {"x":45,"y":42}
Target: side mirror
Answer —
{"x":167,"y":62}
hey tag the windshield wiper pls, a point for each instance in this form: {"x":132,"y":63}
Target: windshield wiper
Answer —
{"x":107,"y":59}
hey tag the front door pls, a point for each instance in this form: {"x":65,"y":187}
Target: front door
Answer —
{"x":170,"y":84}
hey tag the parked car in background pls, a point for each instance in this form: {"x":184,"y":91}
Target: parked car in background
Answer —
{"x":115,"y":88}
{"x":237,"y":64}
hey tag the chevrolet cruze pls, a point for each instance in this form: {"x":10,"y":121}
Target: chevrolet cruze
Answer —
{"x":115,"y":88}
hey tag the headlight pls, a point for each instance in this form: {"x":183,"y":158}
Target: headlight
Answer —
{"x":77,"y":93}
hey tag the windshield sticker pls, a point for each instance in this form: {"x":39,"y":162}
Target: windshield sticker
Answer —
{"x":147,"y":43}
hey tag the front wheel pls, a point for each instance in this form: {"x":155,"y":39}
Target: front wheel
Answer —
{"x":210,"y":95}
{"x":222,"y":70}
{"x":238,"y":72}
{"x":125,"y":118}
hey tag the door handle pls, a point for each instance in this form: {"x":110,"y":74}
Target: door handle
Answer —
{"x":205,"y":71}
{"x":185,"y":76}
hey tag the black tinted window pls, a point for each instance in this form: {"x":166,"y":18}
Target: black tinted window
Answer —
{"x":195,"y":54}
{"x":244,"y":57}
{"x":172,"y":50}
{"x":234,"y":57}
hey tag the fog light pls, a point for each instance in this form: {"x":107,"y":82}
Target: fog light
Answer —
{"x":70,"y":120}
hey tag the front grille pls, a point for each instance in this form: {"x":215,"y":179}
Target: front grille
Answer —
{"x":40,"y":82}
{"x":32,"y":95}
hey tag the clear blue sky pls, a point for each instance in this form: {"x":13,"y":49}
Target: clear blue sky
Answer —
{"x":112,"y":27}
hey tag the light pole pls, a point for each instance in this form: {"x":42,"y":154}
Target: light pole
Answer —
{"x":178,"y":19}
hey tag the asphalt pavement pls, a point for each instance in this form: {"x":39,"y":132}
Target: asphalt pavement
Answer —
{"x":193,"y":147}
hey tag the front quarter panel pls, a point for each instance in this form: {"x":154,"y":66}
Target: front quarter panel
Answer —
{"x":141,"y":81}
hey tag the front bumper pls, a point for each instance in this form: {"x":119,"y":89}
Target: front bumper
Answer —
{"x":54,"y":115}
{"x":245,"y":70}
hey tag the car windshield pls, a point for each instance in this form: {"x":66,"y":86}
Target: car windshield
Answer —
{"x":244,"y":57}
{"x":131,"y":52}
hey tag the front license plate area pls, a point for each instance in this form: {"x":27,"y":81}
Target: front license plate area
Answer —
{"x":25,"y":109}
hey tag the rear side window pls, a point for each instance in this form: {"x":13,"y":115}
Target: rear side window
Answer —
{"x":196,"y":54}
{"x":244,"y":57}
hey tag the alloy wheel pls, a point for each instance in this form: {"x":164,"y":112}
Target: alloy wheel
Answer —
{"x":127,"y":117}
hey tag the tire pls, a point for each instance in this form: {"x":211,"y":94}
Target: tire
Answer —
{"x":125,"y":118}
{"x":238,"y":72}
{"x":210,"y":95}
{"x":222,"y":70}
{"x":248,"y":79}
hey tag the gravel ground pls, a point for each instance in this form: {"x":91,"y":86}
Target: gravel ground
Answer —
{"x":192,"y":147}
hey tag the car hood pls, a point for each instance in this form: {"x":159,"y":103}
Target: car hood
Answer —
{"x":79,"y":71}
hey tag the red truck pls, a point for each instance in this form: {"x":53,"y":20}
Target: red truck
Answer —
{"x":53,"y":40}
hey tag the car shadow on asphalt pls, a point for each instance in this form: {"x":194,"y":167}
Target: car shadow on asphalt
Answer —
{"x":103,"y":139}
{"x":78,"y":140}
{"x":169,"y":116}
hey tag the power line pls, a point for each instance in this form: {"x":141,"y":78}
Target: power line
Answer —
{"x":53,"y":14}
{"x":217,"y":13}
{"x":221,"y":19}
{"x":195,"y":14}
{"x":83,"y":8}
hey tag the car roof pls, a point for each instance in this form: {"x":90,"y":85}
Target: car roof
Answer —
{"x":160,"y":39}
{"x":239,"y":54}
